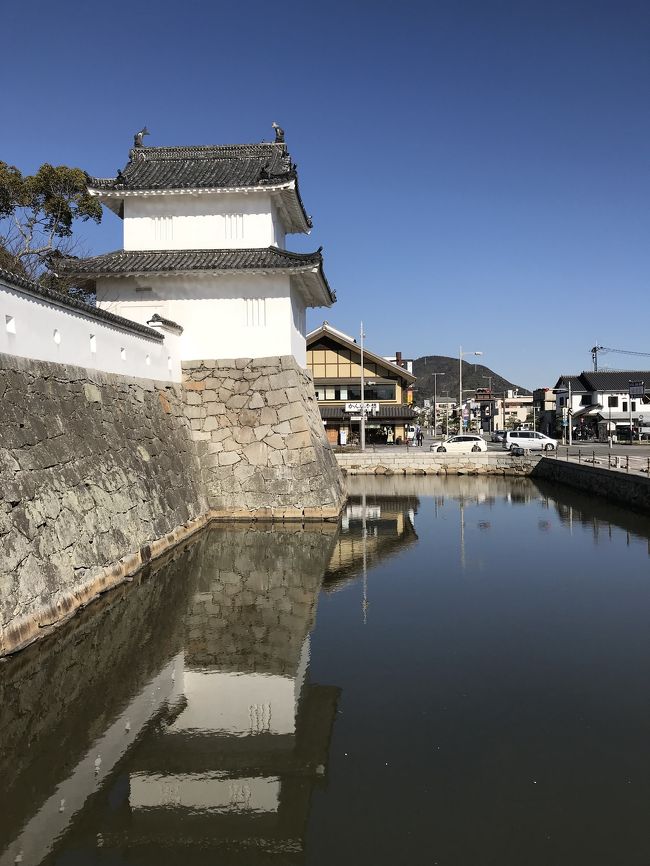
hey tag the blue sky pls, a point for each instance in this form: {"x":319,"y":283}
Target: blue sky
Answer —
{"x":477,"y":170}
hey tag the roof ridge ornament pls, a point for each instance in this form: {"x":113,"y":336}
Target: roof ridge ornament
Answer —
{"x":279,"y":133}
{"x":137,"y":138}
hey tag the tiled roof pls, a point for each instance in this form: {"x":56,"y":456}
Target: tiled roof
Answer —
{"x":577,"y":385}
{"x":204,"y":167}
{"x":387,"y":411}
{"x":614,"y":380}
{"x":618,"y":380}
{"x":138,"y":262}
{"x":17,"y":282}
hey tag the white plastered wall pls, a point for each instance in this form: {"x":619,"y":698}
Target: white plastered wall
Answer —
{"x":233,"y":316}
{"x":201,"y":221}
{"x":33,"y":327}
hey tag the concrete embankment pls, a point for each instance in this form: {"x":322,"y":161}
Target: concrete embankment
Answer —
{"x":631,"y":489}
{"x":419,"y":462}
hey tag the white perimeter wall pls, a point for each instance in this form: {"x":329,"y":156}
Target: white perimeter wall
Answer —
{"x":238,"y":316}
{"x":204,"y":221}
{"x":33,"y":327}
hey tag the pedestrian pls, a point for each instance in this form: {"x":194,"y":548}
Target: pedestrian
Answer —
{"x":420,"y":438}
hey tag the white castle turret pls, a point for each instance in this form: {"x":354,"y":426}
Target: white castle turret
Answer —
{"x":204,"y":250}
{"x":204,"y":246}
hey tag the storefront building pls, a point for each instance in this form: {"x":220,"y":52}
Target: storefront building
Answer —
{"x":334,"y":360}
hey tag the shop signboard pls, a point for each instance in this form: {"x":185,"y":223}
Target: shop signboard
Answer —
{"x":637,"y":388}
{"x":355,"y":408}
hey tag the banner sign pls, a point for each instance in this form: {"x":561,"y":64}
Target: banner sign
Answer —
{"x":637,"y":388}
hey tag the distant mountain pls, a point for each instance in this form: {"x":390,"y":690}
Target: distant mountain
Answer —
{"x":474,"y":376}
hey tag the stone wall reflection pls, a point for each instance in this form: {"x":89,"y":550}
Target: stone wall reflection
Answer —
{"x":179,"y":716}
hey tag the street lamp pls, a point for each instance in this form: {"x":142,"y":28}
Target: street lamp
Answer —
{"x":460,"y":383}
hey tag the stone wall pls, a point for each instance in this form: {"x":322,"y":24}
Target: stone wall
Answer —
{"x":97,"y":474}
{"x":629,"y":489}
{"x":261,"y":440}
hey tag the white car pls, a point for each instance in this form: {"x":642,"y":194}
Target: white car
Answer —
{"x":463,"y":443}
{"x":529,"y":440}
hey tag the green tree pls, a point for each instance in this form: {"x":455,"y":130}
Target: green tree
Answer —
{"x":37,"y":213}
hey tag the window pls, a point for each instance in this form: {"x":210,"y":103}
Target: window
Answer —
{"x":56,"y":336}
{"x":255,"y":312}
{"x":163,"y":229}
{"x":234,"y":226}
{"x":585,"y":400}
{"x":625,"y":405}
{"x":123,"y":354}
{"x":352,"y":393}
{"x":93,"y":344}
{"x":10,"y":324}
{"x":612,"y":402}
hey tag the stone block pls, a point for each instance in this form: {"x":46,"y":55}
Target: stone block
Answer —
{"x":292,"y":410}
{"x":256,"y":401}
{"x":256,"y":453}
{"x":236,"y":401}
{"x":92,"y":393}
{"x":228,"y":458}
{"x":276,"y":398}
{"x":299,"y":425}
{"x":268,"y":416}
{"x":299,"y":440}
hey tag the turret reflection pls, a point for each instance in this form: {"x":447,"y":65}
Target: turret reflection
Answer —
{"x":177,"y":714}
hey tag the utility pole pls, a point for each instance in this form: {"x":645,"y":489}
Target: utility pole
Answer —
{"x":435,"y":398}
{"x":489,"y":378}
{"x":362,"y":422}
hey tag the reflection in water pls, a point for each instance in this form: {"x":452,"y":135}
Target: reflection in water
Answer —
{"x":499,"y":683}
{"x":194,"y":721}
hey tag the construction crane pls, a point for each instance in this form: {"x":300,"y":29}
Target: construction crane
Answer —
{"x":596,"y":349}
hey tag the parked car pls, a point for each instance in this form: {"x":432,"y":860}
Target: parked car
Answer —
{"x":463,"y":444}
{"x":530,"y":440}
{"x":498,"y":435}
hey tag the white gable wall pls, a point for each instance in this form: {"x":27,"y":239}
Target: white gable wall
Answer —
{"x":234,"y":316}
{"x":203,"y":221}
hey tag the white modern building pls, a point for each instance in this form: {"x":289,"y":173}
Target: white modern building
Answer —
{"x":204,"y":245}
{"x":598,"y":404}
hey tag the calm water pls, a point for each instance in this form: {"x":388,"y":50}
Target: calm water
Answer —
{"x":458,"y":674}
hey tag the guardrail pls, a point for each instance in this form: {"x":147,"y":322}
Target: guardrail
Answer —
{"x":624,"y":462}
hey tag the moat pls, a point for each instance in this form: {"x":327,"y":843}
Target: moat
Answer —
{"x":457,"y":673}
